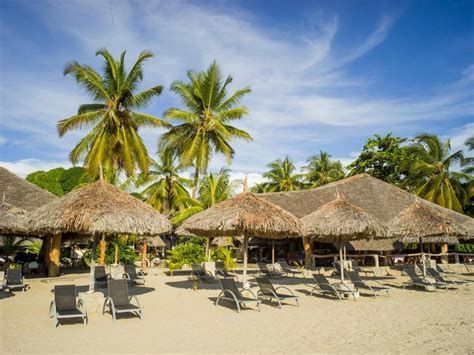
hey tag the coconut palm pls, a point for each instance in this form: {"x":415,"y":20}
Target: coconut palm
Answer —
{"x":204,"y":127}
{"x":113,"y":140}
{"x":214,"y":188}
{"x":12,"y":244}
{"x":282,"y":177}
{"x":468,"y":162}
{"x":428,"y":163}
{"x":164,"y":187}
{"x":322,"y":170}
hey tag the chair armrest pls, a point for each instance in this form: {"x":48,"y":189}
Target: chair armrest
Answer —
{"x":52,"y":306}
{"x":285,"y":288}
{"x":251,"y":292}
{"x":126,"y":276}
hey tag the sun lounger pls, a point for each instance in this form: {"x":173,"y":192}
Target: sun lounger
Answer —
{"x":14,"y":280}
{"x":101,"y":276}
{"x":65,"y":306}
{"x":200,"y":275}
{"x":422,"y":282}
{"x":265,"y":270}
{"x":323,"y":287}
{"x":133,"y":276}
{"x":119,"y":301}
{"x":268,"y":291}
{"x":447,"y":279}
{"x":231,"y":292}
{"x":360,"y":283}
{"x":287,"y":269}
{"x":223,"y":272}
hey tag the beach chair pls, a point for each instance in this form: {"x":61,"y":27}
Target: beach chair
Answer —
{"x":354,"y":276}
{"x":231,"y":292}
{"x":14,"y":280}
{"x":197,"y":273}
{"x":65,"y":306}
{"x":323,"y":287}
{"x":449,"y":279}
{"x":264,"y":270}
{"x":223,"y":272}
{"x":133,"y":276}
{"x":287,"y":269}
{"x":101,"y":276}
{"x":422,"y":282}
{"x":119,"y":301}
{"x":268,"y":291}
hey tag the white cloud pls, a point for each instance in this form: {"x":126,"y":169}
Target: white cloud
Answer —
{"x":3,"y":140}
{"x":459,"y":135}
{"x":23,"y":167}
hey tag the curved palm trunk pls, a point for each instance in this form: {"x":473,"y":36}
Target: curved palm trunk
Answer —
{"x":195,"y":182}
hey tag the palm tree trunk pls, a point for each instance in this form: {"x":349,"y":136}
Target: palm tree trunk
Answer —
{"x":195,"y":182}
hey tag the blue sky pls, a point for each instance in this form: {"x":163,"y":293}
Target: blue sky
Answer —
{"x":325,"y":75}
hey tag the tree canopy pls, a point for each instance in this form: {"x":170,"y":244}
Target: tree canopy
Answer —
{"x":58,"y":181}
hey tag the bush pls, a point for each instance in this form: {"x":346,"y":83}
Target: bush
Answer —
{"x":185,"y":253}
{"x":464,"y":248}
{"x":126,"y":255}
{"x":225,"y":255}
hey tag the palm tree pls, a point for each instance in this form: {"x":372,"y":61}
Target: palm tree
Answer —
{"x":113,"y":141}
{"x":428,"y":164}
{"x":321,"y":170}
{"x":468,"y":162}
{"x":214,"y":188}
{"x":282,"y":177}
{"x":204,"y":127}
{"x":165,"y":188}
{"x":12,"y":244}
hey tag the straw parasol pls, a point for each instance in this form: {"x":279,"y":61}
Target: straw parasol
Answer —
{"x":222,"y":242}
{"x":98,"y":209}
{"x":422,"y":224}
{"x":339,"y":221}
{"x":244,"y":215}
{"x":13,"y":220}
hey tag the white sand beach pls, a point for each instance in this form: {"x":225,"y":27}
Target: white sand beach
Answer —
{"x":178,"y":319}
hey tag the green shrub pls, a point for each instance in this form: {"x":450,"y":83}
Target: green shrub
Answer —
{"x":34,"y":248}
{"x":225,"y":255}
{"x":464,"y":248}
{"x":126,"y":255}
{"x":185,"y":253}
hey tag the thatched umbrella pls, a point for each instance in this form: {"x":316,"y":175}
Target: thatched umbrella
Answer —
{"x":340,"y":221}
{"x":244,"y":215}
{"x":421,"y":224}
{"x":222,"y":242}
{"x":13,"y":220}
{"x":98,"y":209}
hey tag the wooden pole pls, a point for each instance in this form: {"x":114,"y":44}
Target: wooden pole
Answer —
{"x":273,"y":252}
{"x":423,"y":258}
{"x":54,"y":254}
{"x":308,"y":253}
{"x":208,"y":249}
{"x":144,"y":250}
{"x":102,"y":251}
{"x":244,"y":279}
{"x":47,"y":249}
{"x":116,"y":253}
{"x":92,"y":271}
{"x":444,"y":249}
{"x":341,"y":262}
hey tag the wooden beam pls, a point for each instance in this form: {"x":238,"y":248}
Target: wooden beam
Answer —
{"x":46,"y":250}
{"x":102,"y":252}
{"x":54,"y":255}
{"x":308,"y":253}
{"x":444,"y":258}
{"x":144,"y":250}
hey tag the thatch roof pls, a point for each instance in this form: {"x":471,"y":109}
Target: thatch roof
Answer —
{"x":21,"y":193}
{"x":182,"y":232}
{"x":155,"y":241}
{"x":374,"y":245}
{"x":98,"y":208}
{"x":340,"y":220}
{"x":380,"y":199}
{"x":244,"y":214}
{"x":13,"y":220}
{"x":420,"y":221}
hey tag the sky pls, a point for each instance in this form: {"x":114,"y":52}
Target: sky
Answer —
{"x":325,"y":75}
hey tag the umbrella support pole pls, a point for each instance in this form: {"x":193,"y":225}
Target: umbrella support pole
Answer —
{"x":144,"y":251}
{"x":341,"y":262}
{"x":208,"y":249}
{"x":245,"y":252}
{"x":92,"y":272}
{"x":423,"y":261}
{"x":273,"y":252}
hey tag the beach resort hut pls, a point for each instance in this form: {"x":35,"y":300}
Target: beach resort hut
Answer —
{"x":376,"y":197}
{"x":13,"y":220}
{"x":98,"y":209}
{"x":420,"y":224}
{"x":340,"y":221}
{"x":244,"y":215}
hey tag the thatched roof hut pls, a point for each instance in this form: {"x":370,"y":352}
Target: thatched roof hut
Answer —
{"x":13,"y":220}
{"x":244,"y":214}
{"x":340,"y":220}
{"x":98,"y":208}
{"x":419,"y":221}
{"x":382,"y":200}
{"x":21,"y":193}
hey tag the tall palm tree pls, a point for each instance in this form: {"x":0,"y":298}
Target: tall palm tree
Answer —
{"x":113,"y":140}
{"x":164,"y":187}
{"x":322,"y":170}
{"x":214,"y":188}
{"x":282,"y":177}
{"x":204,"y":127}
{"x":468,"y":162}
{"x":428,"y":163}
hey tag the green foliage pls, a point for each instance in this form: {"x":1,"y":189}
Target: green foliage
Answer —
{"x":225,"y":255}
{"x":381,"y":158}
{"x":58,"y":181}
{"x":322,"y":170}
{"x":113,"y":142}
{"x":11,"y":244}
{"x":464,"y":248}
{"x":126,"y":254}
{"x":186,"y":253}
{"x":34,"y":248}
{"x":282,"y":176}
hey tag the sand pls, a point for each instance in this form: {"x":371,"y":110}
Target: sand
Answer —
{"x":178,"y":319}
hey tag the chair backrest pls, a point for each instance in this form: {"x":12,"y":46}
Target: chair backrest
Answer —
{"x":228,"y":284}
{"x":14,"y":276}
{"x":265,"y":284}
{"x":131,"y":271}
{"x":433,"y":272}
{"x":99,"y":272}
{"x":412,"y":274}
{"x":354,"y":276}
{"x":322,"y":282}
{"x":262,"y":267}
{"x":118,"y":291}
{"x":65,"y":297}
